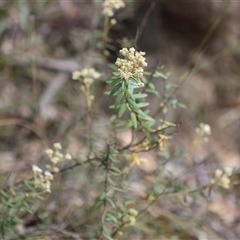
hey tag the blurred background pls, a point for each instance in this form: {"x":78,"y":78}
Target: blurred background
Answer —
{"x":42,"y":42}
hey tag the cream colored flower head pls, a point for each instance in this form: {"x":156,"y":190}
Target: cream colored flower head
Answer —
{"x":87,"y":75}
{"x":222,"y":177}
{"x":132,"y":65}
{"x":42,"y":180}
{"x":109,"y":6}
{"x":203,"y":129}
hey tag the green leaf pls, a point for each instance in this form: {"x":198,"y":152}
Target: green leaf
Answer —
{"x":107,"y":93}
{"x":182,"y":105}
{"x":132,"y":104}
{"x":112,"y":107}
{"x":111,"y":181}
{"x":119,"y":189}
{"x":111,"y":218}
{"x":144,"y":80}
{"x":111,"y":202}
{"x":112,"y":82}
{"x":129,"y":124}
{"x":130,"y":95}
{"x":122,"y":109}
{"x":118,"y":99}
{"x":140,"y":95}
{"x":103,"y":195}
{"x":134,"y":119}
{"x":116,"y":170}
{"x":144,"y":116}
{"x":98,"y":203}
{"x":150,"y":85}
{"x":170,"y":85}
{"x":147,"y":73}
{"x":174,"y":103}
{"x":115,"y":89}
{"x":107,"y":233}
{"x":133,"y":83}
{"x":165,"y":110}
{"x":156,"y":93}
{"x":142,"y":104}
{"x":158,"y":74}
{"x":4,"y":194}
{"x":120,"y":123}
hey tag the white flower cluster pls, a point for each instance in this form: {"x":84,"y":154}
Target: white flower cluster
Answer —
{"x":222,"y":177}
{"x":42,"y":180}
{"x":87,"y":75}
{"x":109,"y":6}
{"x":56,"y":156}
{"x":133,"y":65}
{"x":204,"y":130}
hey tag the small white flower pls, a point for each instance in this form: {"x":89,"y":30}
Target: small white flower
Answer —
{"x":55,"y":169}
{"x":57,"y":146}
{"x":49,"y":152}
{"x":59,"y":155}
{"x":55,"y":160}
{"x":36,"y":169}
{"x":47,"y":186}
{"x":87,"y":76}
{"x":68,"y":156}
{"x":203,"y":129}
{"x":228,"y":171}
{"x":222,"y":178}
{"x":48,"y":175}
{"x":109,"y":6}
{"x":76,"y":75}
{"x":113,"y":21}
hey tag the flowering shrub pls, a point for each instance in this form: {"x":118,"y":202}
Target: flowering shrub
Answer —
{"x":109,"y":196}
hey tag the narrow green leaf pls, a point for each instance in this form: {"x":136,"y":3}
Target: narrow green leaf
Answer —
{"x":129,"y":94}
{"x":98,"y":203}
{"x":122,"y":109}
{"x":118,"y":99}
{"x":174,"y":103}
{"x":112,"y":82}
{"x":111,"y":218}
{"x":111,"y":202}
{"x":129,"y":124}
{"x":111,"y":181}
{"x":147,"y":73}
{"x":132,"y":104}
{"x":182,"y":105}
{"x":115,"y":89}
{"x":150,"y":85}
{"x":140,"y":95}
{"x":158,"y":74}
{"x":170,"y":85}
{"x":165,"y":110}
{"x":144,"y":116}
{"x":143,"y":79}
{"x":112,"y":107}
{"x":142,"y":104}
{"x":103,"y":195}
{"x":4,"y":194}
{"x":118,"y":189}
{"x":116,"y":170}
{"x":107,"y":93}
{"x":156,"y":93}
{"x":134,"y":119}
{"x":106,"y":233}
